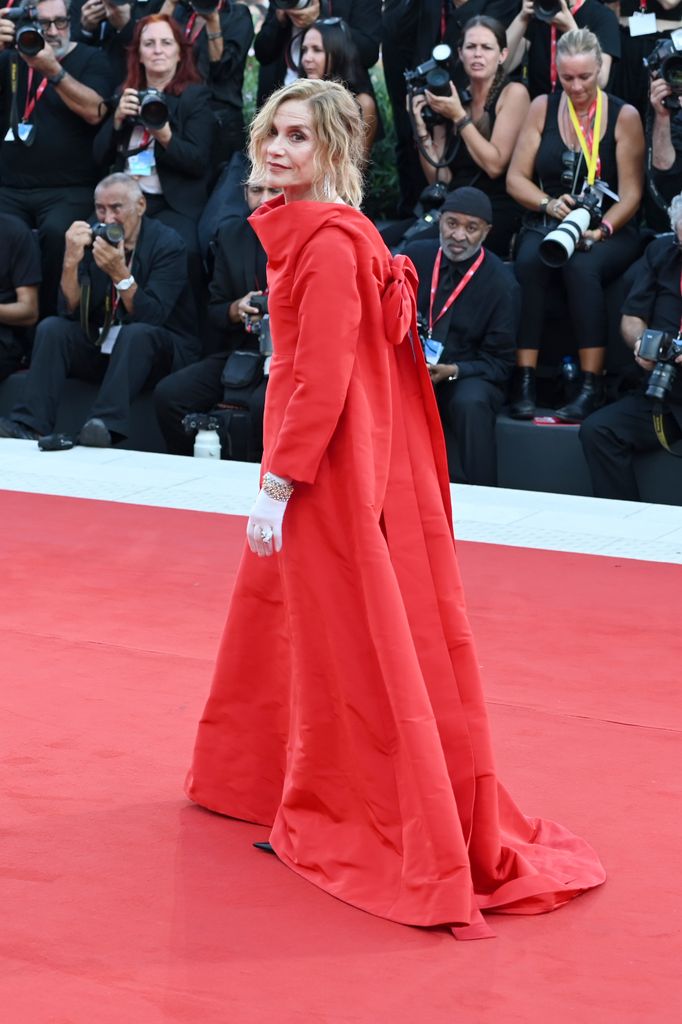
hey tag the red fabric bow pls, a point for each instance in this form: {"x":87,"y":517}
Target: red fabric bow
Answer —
{"x":399,"y":301}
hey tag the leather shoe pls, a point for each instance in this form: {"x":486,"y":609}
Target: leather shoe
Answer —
{"x":95,"y":434}
{"x":523,"y":397}
{"x":587,"y":400}
{"x":12,"y":428}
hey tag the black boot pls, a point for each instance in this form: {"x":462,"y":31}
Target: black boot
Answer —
{"x":586,"y":401}
{"x":522,"y":405}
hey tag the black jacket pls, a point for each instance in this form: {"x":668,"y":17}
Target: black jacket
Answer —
{"x":240,"y":264}
{"x":183,"y":167}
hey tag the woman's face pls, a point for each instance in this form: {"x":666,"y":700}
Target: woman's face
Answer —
{"x":578,"y":75}
{"x":159,"y":53}
{"x":289,"y":151}
{"x":480,"y":53}
{"x":313,"y":56}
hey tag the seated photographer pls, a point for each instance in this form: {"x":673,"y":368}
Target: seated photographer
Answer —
{"x":572,"y":141}
{"x":328,"y":52}
{"x":643,"y":25}
{"x":19,"y":280}
{"x":278,"y":44}
{"x":474,"y":144}
{"x":128,"y":318}
{"x":534,"y":32}
{"x":611,"y":436}
{"x":161,"y":131}
{"x":221,"y":35}
{"x":666,"y":139}
{"x":239,"y":275}
{"x":47,"y":124}
{"x":468,"y":303}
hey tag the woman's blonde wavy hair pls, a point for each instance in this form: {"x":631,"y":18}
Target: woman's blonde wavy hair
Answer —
{"x":339,"y":127}
{"x":577,"y":42}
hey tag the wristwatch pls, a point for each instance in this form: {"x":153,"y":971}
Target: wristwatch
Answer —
{"x":59,"y":77}
{"x":125,"y":284}
{"x":544,"y":203}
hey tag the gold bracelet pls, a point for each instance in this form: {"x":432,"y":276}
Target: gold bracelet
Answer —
{"x":277,"y":489}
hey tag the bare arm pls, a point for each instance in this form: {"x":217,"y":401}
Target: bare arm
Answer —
{"x":662,"y":149}
{"x":520,"y":184}
{"x":516,"y":43}
{"x":79,"y":98}
{"x":77,"y":239}
{"x":23,"y":312}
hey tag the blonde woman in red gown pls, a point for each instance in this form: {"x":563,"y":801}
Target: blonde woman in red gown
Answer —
{"x":346,"y":711}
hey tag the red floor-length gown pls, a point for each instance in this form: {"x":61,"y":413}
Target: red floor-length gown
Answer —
{"x":346,"y":709}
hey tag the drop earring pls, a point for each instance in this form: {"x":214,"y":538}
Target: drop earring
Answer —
{"x":327,"y":187}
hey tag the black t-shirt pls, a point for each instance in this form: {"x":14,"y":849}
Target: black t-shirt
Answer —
{"x":61,"y":154}
{"x":593,"y":15}
{"x":19,"y":257}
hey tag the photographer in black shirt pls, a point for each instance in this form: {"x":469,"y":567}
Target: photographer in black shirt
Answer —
{"x":666,"y":140}
{"x":19,"y":280}
{"x":57,"y":101}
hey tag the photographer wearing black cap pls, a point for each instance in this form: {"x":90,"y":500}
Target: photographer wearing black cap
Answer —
{"x":128,"y":318}
{"x":611,"y":436}
{"x":468,"y":303}
{"x":51,"y":99}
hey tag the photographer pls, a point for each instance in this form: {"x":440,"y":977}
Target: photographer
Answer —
{"x":630,"y":80}
{"x":611,"y":436}
{"x":108,"y":26}
{"x":127,"y":318}
{"x":278,"y":44}
{"x":55,"y":106}
{"x":165,"y":145}
{"x":468,"y":302}
{"x":477,"y":138}
{"x":239,"y":275}
{"x":666,"y":140}
{"x":571,"y":140}
{"x":19,"y":280}
{"x":534,"y":32}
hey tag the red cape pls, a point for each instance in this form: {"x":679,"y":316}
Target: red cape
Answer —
{"x":346,"y":709}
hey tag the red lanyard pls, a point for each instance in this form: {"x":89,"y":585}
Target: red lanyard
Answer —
{"x":553,"y":75}
{"x":443,"y":19}
{"x":29,"y":106}
{"x":588,"y":139}
{"x":456,"y":291}
{"x":190,"y":25}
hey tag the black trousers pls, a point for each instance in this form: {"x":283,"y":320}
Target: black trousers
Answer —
{"x":51,"y":211}
{"x":611,"y":436}
{"x":470,"y":407}
{"x":584,"y":278}
{"x":142,"y":354}
{"x":197,"y":388}
{"x":11,"y":351}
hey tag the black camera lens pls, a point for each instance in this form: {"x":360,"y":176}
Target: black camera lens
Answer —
{"x":672,"y":73}
{"x":660,"y":381}
{"x":153,"y":109}
{"x":111,"y":233}
{"x":30,"y":40}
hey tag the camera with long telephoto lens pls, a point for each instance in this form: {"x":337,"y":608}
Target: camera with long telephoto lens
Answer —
{"x":546,"y":10}
{"x":291,"y":5}
{"x":665,"y":61}
{"x":434,"y":75}
{"x":28,"y":38}
{"x":560,"y":243}
{"x":111,"y":233}
{"x":663,"y":349}
{"x":153,"y":109}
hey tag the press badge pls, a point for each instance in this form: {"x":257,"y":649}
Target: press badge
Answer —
{"x":432,"y":350}
{"x":642,"y":24}
{"x":143,"y":163}
{"x":110,"y":338}
{"x":25,"y":133}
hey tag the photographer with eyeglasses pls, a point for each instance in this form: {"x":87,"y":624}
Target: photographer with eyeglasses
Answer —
{"x":51,"y":99}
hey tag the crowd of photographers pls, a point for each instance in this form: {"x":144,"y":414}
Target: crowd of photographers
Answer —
{"x":126,"y":257}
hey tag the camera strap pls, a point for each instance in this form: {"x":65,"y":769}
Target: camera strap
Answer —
{"x":589,"y":141}
{"x":455,"y":293}
{"x":23,"y":132}
{"x":668,"y":430}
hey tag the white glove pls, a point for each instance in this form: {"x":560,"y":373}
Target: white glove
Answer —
{"x":264,"y":528}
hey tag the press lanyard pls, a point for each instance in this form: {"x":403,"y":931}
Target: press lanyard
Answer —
{"x":456,"y":292}
{"x":553,"y":74}
{"x":589,"y":143}
{"x":30,"y":104}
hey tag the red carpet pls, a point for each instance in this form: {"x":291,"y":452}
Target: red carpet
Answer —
{"x":122,"y":904}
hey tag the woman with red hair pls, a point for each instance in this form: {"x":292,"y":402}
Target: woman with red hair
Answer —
{"x":161,"y":130}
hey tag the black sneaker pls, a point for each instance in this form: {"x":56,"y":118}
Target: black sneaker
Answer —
{"x":12,"y":428}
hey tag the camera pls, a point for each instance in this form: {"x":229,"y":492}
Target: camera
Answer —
{"x":261,"y":304}
{"x":260,"y":328}
{"x":569,"y":167}
{"x":546,"y":10}
{"x":111,"y":233}
{"x":560,"y":243}
{"x":291,"y":5}
{"x":665,"y":61}
{"x":200,"y":421}
{"x":28,"y":39}
{"x":434,"y":75}
{"x":663,"y":349}
{"x":153,"y":109}
{"x":200,"y":6}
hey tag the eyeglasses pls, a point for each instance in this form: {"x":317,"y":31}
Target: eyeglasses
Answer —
{"x":59,"y":23}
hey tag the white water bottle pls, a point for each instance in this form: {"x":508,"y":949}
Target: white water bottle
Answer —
{"x":207,"y":444}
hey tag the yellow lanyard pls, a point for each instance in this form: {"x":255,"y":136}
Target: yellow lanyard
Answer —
{"x":591,"y":159}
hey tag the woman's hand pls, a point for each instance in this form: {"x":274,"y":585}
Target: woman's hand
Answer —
{"x":162,"y":135}
{"x":561,"y":207}
{"x":416,"y":104}
{"x":447,"y":106}
{"x":128,"y":108}
{"x":264,"y":528}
